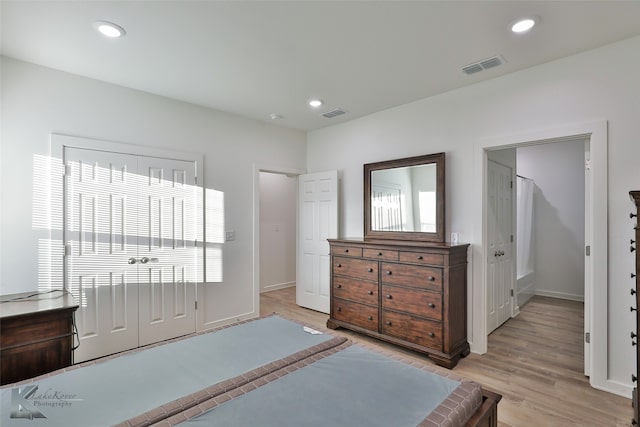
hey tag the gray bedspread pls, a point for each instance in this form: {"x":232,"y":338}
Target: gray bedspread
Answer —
{"x":112,"y":391}
{"x":352,"y":387}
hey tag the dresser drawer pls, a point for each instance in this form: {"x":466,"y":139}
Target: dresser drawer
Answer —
{"x":418,"y":302}
{"x":412,"y":275}
{"x":383,"y":254}
{"x":356,"y":314}
{"x":355,"y":290}
{"x":354,"y":251}
{"x":36,"y":327}
{"x":358,"y":268}
{"x":418,"y":331}
{"x":422,"y":258}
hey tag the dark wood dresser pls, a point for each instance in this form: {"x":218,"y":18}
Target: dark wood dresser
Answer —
{"x":36,"y":334}
{"x":412,"y":294}
{"x":635,"y":197}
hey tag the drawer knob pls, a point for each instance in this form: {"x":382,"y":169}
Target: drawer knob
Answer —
{"x":388,"y":272}
{"x":431,"y":334}
{"x":370,"y":270}
{"x":339,"y":265}
{"x":379,"y":253}
{"x":389,"y":296}
{"x":339,"y":308}
{"x":388,"y":322}
{"x":370,"y":292}
{"x":338,"y":286}
{"x":431,"y":278}
{"x":432,"y":305}
{"x":633,"y":291}
{"x":370,"y":317}
{"x":346,"y":251}
{"x":420,"y":257}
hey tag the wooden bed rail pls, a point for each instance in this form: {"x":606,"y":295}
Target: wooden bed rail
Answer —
{"x":487,"y":414}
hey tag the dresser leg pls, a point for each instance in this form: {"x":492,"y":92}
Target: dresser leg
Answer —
{"x":466,"y":350}
{"x":331,"y":324}
{"x":445,"y":362}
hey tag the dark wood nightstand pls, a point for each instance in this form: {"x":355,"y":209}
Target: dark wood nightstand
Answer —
{"x":36,"y":334}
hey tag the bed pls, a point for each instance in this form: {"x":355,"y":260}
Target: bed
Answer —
{"x":212,"y":374}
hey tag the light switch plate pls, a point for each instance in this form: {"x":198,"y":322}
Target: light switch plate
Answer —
{"x":229,"y":235}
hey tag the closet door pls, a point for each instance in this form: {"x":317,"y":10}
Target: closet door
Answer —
{"x":130,"y":233}
{"x":166,"y":250}
{"x":101,"y":236}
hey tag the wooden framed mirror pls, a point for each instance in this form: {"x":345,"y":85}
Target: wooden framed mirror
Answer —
{"x":404,"y":199}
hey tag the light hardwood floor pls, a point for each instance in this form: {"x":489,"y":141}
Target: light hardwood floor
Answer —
{"x":535,"y":361}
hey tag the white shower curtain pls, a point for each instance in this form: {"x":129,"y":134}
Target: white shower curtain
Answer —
{"x":524,"y":213}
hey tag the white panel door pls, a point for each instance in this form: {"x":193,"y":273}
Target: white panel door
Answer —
{"x":130,"y":233}
{"x":166,"y":248}
{"x":317,"y":222}
{"x":101,"y":230}
{"x":500,"y":271}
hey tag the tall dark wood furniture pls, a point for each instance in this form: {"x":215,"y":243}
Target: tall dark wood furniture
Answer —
{"x":635,"y":197}
{"x":36,"y":335}
{"x":402,"y":283}
{"x":408,"y":293}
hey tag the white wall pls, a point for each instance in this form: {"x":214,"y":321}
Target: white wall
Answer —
{"x":37,"y":101}
{"x":601,"y":84}
{"x":558,"y":172}
{"x":277,"y":231}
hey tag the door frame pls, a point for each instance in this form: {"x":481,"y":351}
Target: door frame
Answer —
{"x":596,"y":133}
{"x":278,"y":169}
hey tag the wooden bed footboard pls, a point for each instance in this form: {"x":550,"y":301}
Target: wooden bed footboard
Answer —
{"x":487,"y":413}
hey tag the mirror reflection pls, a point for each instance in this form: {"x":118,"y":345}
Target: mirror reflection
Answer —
{"x":404,"y":199}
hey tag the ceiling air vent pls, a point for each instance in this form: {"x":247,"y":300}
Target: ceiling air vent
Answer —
{"x":485,"y":64}
{"x":472,"y":69}
{"x":333,"y":113}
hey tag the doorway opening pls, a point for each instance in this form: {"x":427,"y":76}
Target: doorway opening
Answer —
{"x":596,"y":233}
{"x":316,"y":220}
{"x":277,"y":231}
{"x":272,"y":185}
{"x":546,"y":236}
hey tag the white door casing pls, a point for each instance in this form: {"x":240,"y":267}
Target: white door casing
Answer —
{"x":500,"y":272}
{"x":587,"y":258}
{"x":317,"y":222}
{"x":130,"y":237}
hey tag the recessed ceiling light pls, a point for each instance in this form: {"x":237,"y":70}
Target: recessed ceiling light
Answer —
{"x":315,"y":103}
{"x":523,"y":25}
{"x":109,"y":29}
{"x":275,"y":116}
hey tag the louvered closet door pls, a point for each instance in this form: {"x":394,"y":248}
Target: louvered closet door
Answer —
{"x":130,"y":230}
{"x":167,"y":229}
{"x":101,"y":230}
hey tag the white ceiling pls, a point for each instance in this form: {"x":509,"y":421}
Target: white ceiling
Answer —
{"x":263,"y":57}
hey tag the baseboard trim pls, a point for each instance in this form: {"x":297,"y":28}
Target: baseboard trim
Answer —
{"x":277,"y":286}
{"x":561,"y":295}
